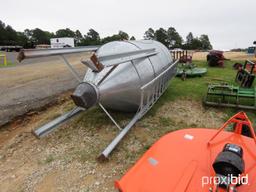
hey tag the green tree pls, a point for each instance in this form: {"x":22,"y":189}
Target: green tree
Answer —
{"x":10,"y":36}
{"x":174,"y":38}
{"x":132,"y":38}
{"x":162,"y":36}
{"x":192,"y":42}
{"x":116,"y":37}
{"x":41,"y":37}
{"x":123,"y":35}
{"x":93,"y":35}
{"x":2,"y":33}
{"x":206,"y":44}
{"x":202,"y":43}
{"x":189,"y":38}
{"x":65,"y":33}
{"x":149,"y":34}
{"x":28,"y":33}
{"x":91,"y":38}
{"x":196,"y":44}
{"x":108,"y":39}
{"x":29,"y":38}
{"x":22,"y":40}
{"x":78,"y":37}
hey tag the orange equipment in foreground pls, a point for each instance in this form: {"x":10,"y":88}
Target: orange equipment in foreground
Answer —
{"x":195,"y":160}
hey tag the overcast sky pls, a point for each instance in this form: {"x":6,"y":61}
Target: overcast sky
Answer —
{"x":229,"y":23}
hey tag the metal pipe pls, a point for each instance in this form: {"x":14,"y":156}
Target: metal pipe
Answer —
{"x":114,"y":59}
{"x":110,"y":117}
{"x":51,"y":126}
{"x":229,"y":105}
{"x":71,"y":69}
{"x":34,"y":53}
{"x":104,"y":155}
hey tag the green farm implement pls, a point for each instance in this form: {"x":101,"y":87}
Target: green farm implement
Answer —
{"x":242,"y":96}
{"x":246,"y":75}
{"x":190,"y":70}
{"x":223,"y":95}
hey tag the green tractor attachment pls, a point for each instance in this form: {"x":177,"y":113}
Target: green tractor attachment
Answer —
{"x":242,"y":96}
{"x":224,"y":95}
{"x":190,"y":70}
{"x":246,"y":75}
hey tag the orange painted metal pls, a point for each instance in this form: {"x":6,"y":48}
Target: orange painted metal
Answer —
{"x":180,"y":160}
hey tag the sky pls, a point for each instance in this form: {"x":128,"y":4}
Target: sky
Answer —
{"x":228,"y":23}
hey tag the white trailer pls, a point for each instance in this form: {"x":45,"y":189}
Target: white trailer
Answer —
{"x":62,"y":42}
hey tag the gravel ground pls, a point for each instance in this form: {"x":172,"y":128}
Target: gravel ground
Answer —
{"x":66,"y":159}
{"x":34,"y":84}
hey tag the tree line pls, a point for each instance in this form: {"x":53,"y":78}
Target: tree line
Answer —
{"x":29,"y":38}
{"x":172,"y":39}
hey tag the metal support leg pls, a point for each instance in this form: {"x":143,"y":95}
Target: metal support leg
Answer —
{"x":51,"y":126}
{"x":72,"y":70}
{"x":104,"y":155}
{"x":110,"y":117}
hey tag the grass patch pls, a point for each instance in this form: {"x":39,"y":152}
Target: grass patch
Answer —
{"x":196,"y":88}
{"x":9,"y":64}
{"x":49,"y":159}
{"x":83,"y":155}
{"x":96,"y":117}
{"x":165,"y":121}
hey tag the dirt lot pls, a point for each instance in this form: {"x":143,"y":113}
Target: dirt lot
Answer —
{"x":34,"y":84}
{"x":66,"y":159}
